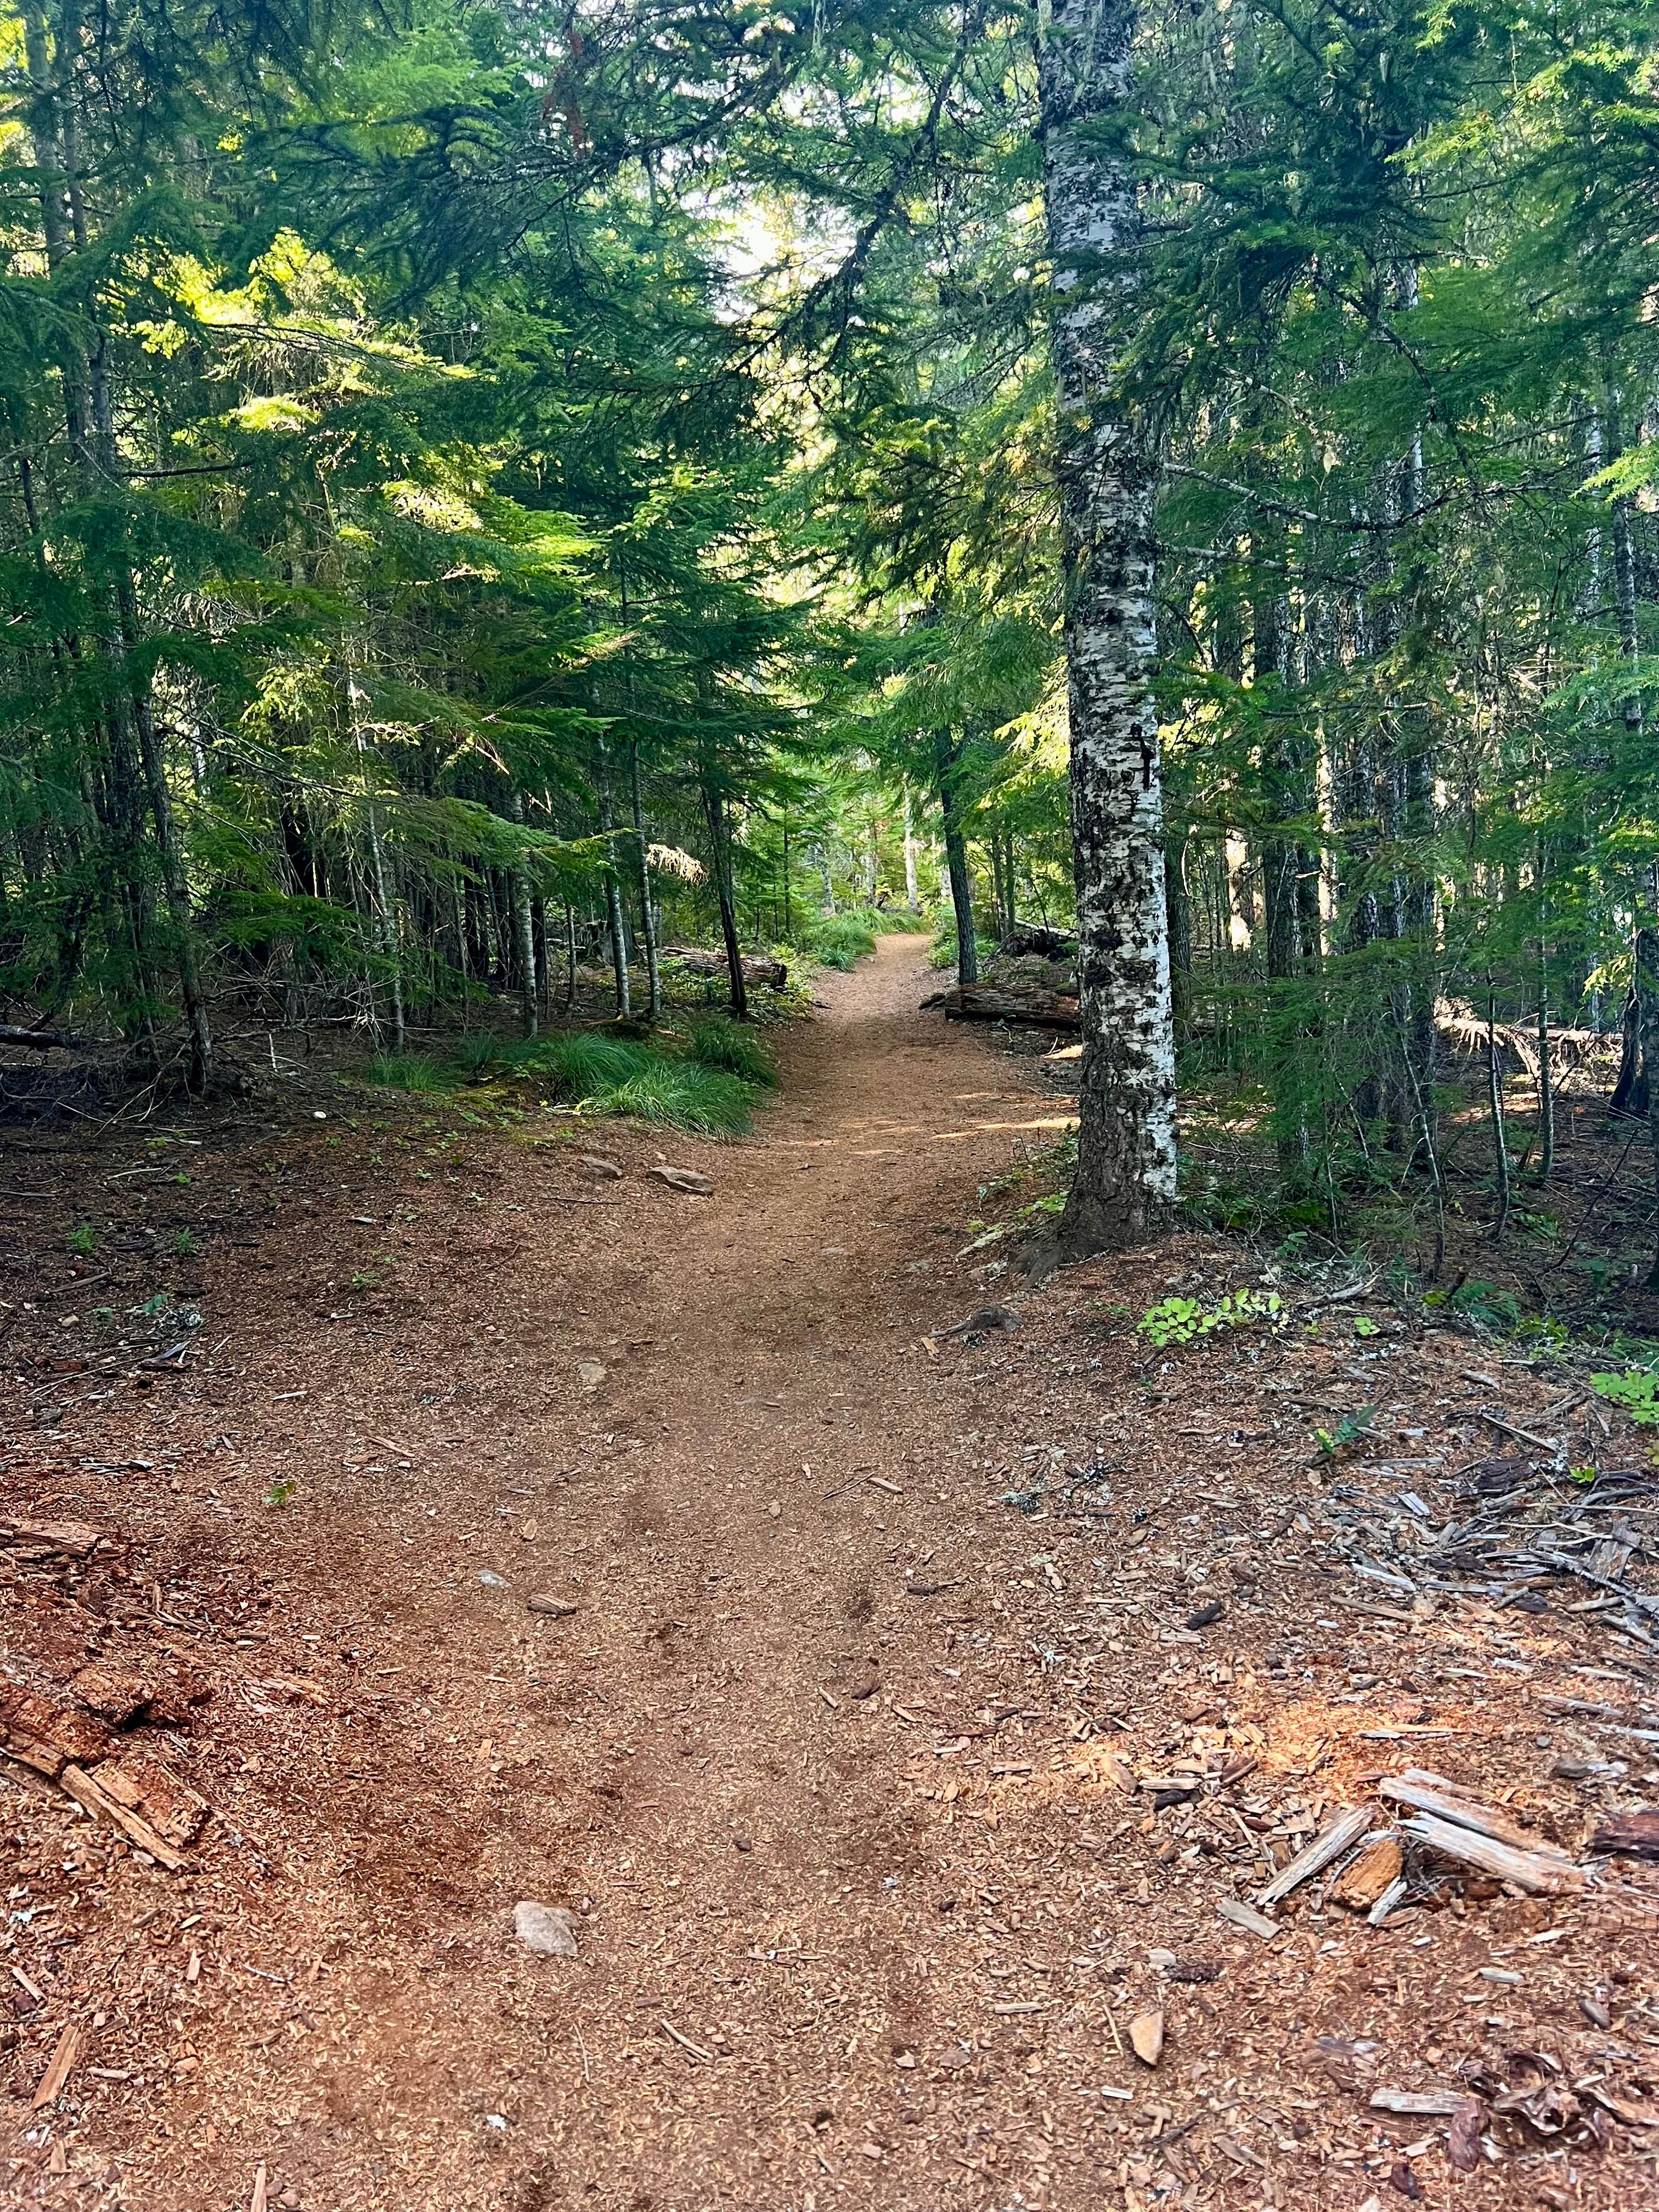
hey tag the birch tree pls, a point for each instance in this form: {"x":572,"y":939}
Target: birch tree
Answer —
{"x":1125,"y":1184}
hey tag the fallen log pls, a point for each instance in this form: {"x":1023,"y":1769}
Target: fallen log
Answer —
{"x":756,"y":970}
{"x":1040,"y":1009}
{"x":1628,"y":1836}
{"x":1027,"y":939}
{"x":1440,"y":1797}
{"x":42,"y":1040}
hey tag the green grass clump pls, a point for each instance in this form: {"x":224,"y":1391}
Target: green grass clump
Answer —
{"x":732,"y":1046}
{"x":684,"y":1096}
{"x":614,"y":1075}
{"x":410,"y":1071}
{"x":840,"y":939}
{"x":475,"y":1055}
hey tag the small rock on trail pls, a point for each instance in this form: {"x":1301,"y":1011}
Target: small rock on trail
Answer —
{"x":686,"y":1179}
{"x":550,"y":1928}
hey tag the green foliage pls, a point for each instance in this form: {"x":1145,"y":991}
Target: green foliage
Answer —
{"x":1486,"y":1306}
{"x":185,"y":1246}
{"x":738,"y":1049}
{"x":612,"y":1075}
{"x":1352,"y":1428}
{"x":83,"y":1239}
{"x":840,"y":940}
{"x":1636,"y":1392}
{"x":410,"y":1071}
{"x":1185,"y":1320}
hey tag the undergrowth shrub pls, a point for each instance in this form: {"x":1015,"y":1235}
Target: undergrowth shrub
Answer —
{"x":839,"y":940}
{"x":410,"y":1071}
{"x":736,"y":1048}
{"x":615,"y":1075}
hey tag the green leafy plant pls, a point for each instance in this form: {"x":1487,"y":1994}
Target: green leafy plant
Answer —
{"x":1351,"y":1429}
{"x":280,"y":1491}
{"x":1635,"y":1392}
{"x":1183,"y":1321}
{"x":83,"y":1239}
{"x":1484,"y":1304}
{"x":185,"y":1246}
{"x":1364,"y":1326}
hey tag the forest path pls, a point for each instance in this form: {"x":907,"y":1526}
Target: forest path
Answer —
{"x":695,"y":1760}
{"x":923,"y":1708}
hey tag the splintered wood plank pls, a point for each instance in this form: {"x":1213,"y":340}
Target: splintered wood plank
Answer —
{"x":1466,"y":1813}
{"x":1346,"y":1828}
{"x":1542,"y":1874}
{"x":58,"y":2069}
{"x":77,"y":1783}
{"x":144,"y":1786}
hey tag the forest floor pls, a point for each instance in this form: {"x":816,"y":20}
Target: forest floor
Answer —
{"x":919,"y":1700}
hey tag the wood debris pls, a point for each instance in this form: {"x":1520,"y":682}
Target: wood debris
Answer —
{"x":1372,"y":1874}
{"x":58,"y":2068}
{"x":1346,"y":1828}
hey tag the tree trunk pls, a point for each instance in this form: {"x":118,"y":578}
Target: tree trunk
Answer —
{"x":1495,"y":1093}
{"x":910,"y":890}
{"x":648,"y":919}
{"x":947,"y":753}
{"x":1125,"y":1186}
{"x":524,"y":919}
{"x":720,"y":849}
{"x":1647,"y":984}
{"x":615,"y":919}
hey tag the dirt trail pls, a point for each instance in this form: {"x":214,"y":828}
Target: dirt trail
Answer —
{"x":830,"y":1760}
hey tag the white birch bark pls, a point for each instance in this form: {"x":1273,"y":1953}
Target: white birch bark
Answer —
{"x":1126,"y":1180}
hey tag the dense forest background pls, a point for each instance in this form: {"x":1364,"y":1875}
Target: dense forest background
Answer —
{"x":488,"y":489}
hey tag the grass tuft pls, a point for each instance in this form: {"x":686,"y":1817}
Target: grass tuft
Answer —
{"x":615,"y":1075}
{"x":840,"y":939}
{"x":722,"y":1043}
{"x":409,"y":1071}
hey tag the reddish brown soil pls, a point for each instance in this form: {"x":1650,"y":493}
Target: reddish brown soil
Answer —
{"x":828,"y":1761}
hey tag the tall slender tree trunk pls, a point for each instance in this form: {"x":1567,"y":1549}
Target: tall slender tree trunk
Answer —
{"x":648,"y":918}
{"x":720,"y":847}
{"x":910,"y":889}
{"x":1495,"y":1098}
{"x":385,"y":921}
{"x":1125,"y":1187}
{"x":524,"y":919}
{"x":947,"y":752}
{"x":615,"y":919}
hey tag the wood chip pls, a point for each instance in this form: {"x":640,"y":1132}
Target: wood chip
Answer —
{"x":257,"y":2201}
{"x":1146,"y":2037}
{"x":58,"y":2070}
{"x":1374,"y":1871}
{"x":1346,"y":1828}
{"x":686,"y":2044}
{"x":1246,"y":1916}
{"x":1435,"y":2103}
